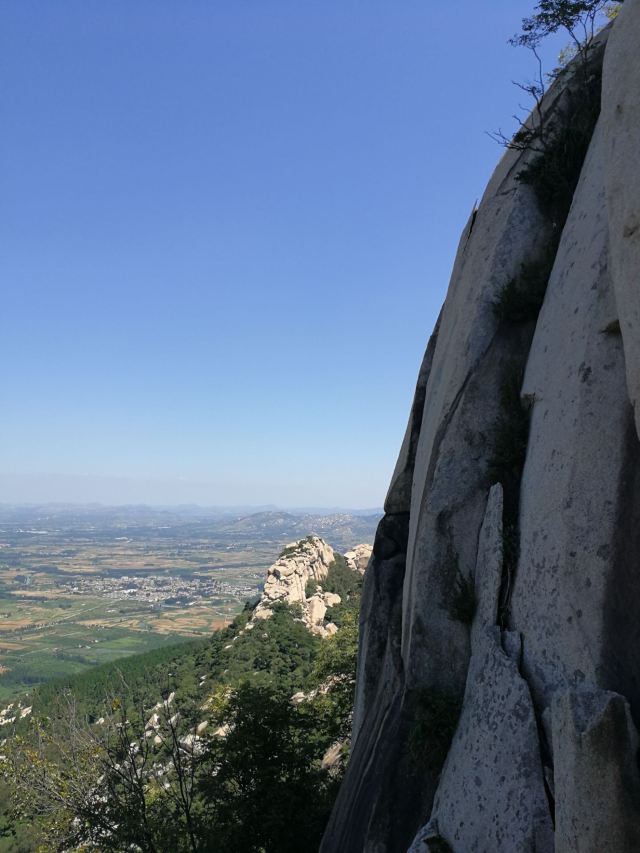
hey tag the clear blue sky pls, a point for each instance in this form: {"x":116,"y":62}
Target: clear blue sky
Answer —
{"x":227,"y":229}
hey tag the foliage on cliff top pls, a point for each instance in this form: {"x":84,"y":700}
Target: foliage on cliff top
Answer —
{"x":560,"y":141}
{"x":348,"y":585}
{"x":579,"y":18}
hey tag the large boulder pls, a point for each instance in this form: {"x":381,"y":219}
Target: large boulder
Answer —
{"x":316,"y":609}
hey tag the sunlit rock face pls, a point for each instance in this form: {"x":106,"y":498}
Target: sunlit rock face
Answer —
{"x":296,"y":578}
{"x":287,"y":578}
{"x":358,"y":558}
{"x":498,"y":689}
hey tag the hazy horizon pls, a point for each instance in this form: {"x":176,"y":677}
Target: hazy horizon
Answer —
{"x":72,"y":490}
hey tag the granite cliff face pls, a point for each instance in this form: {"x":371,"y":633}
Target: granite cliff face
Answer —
{"x":498,"y":690}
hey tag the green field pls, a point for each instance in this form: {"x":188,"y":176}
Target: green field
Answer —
{"x":47,"y":636}
{"x":41,"y":640}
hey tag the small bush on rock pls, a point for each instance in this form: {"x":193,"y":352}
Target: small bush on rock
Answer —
{"x":311,"y":587}
{"x":554,"y":173}
{"x":344,"y":582}
{"x":560,"y":139}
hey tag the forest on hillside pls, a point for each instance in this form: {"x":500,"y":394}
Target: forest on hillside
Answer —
{"x":233,"y":743}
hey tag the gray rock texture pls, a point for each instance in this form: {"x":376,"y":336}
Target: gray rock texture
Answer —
{"x":517,"y":493}
{"x":597,"y":785}
{"x":571,"y":498}
{"x":491,"y":795}
{"x":489,"y":565}
{"x":449,"y":483}
{"x":621,"y":130}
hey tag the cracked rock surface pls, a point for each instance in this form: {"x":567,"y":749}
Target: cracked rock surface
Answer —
{"x":505,"y":575}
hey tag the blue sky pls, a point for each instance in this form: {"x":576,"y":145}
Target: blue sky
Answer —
{"x":227,"y":229}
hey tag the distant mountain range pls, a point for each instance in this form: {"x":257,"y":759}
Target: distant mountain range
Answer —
{"x":38,"y":510}
{"x":339,"y":528}
{"x":342,"y":528}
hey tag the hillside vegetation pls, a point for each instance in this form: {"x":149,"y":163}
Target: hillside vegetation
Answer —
{"x":234,"y":743}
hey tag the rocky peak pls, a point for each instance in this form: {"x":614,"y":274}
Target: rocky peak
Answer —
{"x":287,"y":579}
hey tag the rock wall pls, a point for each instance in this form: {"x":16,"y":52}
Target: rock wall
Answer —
{"x":504,"y":587}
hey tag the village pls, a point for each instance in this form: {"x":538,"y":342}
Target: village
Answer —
{"x":165,"y":590}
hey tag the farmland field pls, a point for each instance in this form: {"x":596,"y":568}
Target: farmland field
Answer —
{"x":81,"y":586}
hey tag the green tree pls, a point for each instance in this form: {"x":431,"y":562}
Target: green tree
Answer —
{"x":109,"y":786}
{"x":578,"y":18}
{"x":268,"y":793}
{"x":335,"y":675}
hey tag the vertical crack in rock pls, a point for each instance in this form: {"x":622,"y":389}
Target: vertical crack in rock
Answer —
{"x":488,"y":570}
{"x":491,"y":794}
{"x":554,"y":175}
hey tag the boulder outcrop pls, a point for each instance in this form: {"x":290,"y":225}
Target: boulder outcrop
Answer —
{"x":300,"y":562}
{"x":358,"y":558}
{"x":504,"y":577}
{"x":301,"y":566}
